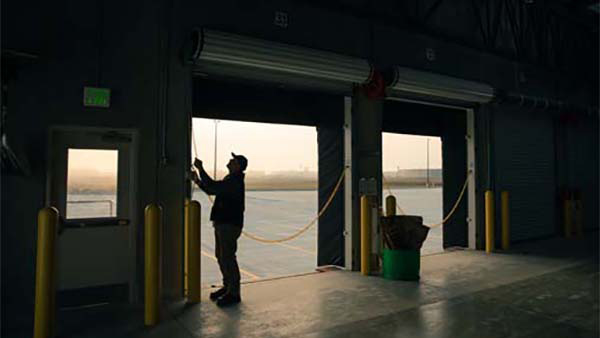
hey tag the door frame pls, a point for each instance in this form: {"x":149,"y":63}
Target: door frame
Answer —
{"x":348,"y":217}
{"x":470,"y":165}
{"x":131,"y":176}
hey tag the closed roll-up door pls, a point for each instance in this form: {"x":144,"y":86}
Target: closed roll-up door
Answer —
{"x":582,"y":161}
{"x":524,"y":161}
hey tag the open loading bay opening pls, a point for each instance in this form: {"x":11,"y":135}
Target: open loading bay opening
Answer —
{"x":281,"y":195}
{"x":412,"y":172}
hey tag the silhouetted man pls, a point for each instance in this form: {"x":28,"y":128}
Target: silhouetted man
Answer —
{"x":227,"y":215}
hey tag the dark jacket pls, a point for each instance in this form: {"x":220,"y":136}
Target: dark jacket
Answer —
{"x":228,"y":207}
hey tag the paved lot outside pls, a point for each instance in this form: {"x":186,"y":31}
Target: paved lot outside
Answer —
{"x":276,"y":214}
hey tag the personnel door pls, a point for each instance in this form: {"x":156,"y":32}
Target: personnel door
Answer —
{"x":91,"y":182}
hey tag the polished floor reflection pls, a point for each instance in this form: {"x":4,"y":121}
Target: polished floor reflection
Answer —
{"x":545,"y":289}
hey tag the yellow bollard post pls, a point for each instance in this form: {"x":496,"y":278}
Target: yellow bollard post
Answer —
{"x":578,"y":206}
{"x":365,"y":236}
{"x":504,"y":200}
{"x":578,"y":218}
{"x":567,"y":211}
{"x":193,"y":245}
{"x":489,"y":221}
{"x":153,"y":217}
{"x":45,"y":274}
{"x":185,"y":246}
{"x":390,"y":205}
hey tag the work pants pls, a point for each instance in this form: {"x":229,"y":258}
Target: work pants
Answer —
{"x":226,"y":236}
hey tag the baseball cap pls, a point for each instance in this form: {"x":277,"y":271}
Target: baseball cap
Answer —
{"x":242,"y":160}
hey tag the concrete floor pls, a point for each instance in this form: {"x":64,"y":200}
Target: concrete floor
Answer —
{"x":545,"y":289}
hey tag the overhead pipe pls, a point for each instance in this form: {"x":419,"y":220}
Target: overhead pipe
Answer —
{"x":543,"y":103}
{"x":407,"y":82}
{"x":227,"y":55}
{"x":403,"y":82}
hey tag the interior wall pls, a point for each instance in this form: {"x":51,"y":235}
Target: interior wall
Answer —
{"x":256,"y":102}
{"x":413,"y":118}
{"x":483,"y":167}
{"x":135,"y":48}
{"x":524,"y":165}
{"x":535,"y":154}
{"x":366,"y":157}
{"x":75,"y":49}
{"x":578,"y":164}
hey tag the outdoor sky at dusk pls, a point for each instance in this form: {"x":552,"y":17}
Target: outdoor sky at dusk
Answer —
{"x":276,"y":147}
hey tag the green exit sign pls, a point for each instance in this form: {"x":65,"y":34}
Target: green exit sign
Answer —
{"x":96,"y":97}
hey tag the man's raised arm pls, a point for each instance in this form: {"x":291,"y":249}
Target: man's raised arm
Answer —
{"x":209,"y":185}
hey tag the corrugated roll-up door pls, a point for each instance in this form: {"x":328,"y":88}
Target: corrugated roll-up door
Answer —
{"x":583,"y":154}
{"x":524,"y":161}
{"x":224,"y":55}
{"x":411,"y":83}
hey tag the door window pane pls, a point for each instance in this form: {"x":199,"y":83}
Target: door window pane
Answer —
{"x":92,"y":183}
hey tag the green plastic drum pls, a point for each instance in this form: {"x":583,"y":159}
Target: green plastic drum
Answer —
{"x":401,"y":264}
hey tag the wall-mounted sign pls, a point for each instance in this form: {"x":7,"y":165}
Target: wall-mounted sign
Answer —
{"x":96,"y":97}
{"x":367,"y":186}
{"x":430,"y":54}
{"x":281,"y":19}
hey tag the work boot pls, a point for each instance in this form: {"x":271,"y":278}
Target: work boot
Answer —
{"x":217,"y":294}
{"x":228,"y":300}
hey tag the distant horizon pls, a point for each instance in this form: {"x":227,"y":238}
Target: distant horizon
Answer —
{"x":274,"y":147}
{"x":273,"y":150}
{"x":210,"y":172}
{"x":104,"y":183}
